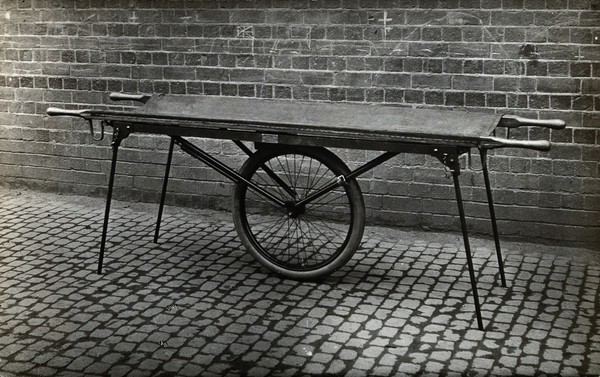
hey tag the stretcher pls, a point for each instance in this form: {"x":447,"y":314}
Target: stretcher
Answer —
{"x":297,"y":207}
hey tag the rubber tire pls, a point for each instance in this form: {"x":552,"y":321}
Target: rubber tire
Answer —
{"x":353,"y":194}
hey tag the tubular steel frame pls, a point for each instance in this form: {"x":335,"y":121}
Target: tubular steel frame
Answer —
{"x":447,"y":155}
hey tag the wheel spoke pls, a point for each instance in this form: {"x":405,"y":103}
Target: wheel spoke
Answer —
{"x":306,"y":237}
{"x":274,"y":231}
{"x":326,"y":225}
{"x":319,"y":204}
{"x":321,"y":233}
{"x":317,"y":181}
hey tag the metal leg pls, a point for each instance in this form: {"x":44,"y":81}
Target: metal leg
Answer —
{"x":488,"y":189}
{"x":164,"y":190}
{"x":111,"y":180}
{"x":463,"y":224}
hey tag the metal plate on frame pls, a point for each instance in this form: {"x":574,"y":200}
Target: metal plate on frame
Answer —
{"x":269,"y":138}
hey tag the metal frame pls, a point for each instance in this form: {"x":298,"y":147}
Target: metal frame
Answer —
{"x":447,"y":155}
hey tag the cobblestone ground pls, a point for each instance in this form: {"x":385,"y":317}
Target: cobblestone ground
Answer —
{"x":197,"y":304}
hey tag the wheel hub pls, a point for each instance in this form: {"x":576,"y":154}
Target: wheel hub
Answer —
{"x":294,"y":211}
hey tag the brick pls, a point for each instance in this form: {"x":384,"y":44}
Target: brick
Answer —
{"x":373,"y":63}
{"x":453,"y":66}
{"x":506,"y":18}
{"x":413,"y":96}
{"x":469,"y":50}
{"x":451,"y":34}
{"x":585,"y":103}
{"x":433,"y":66}
{"x":434,"y":98}
{"x":562,"y":18}
{"x":454,"y":99}
{"x":563,"y":52}
{"x":352,"y":79}
{"x":558,"y":69}
{"x":179,"y":73}
{"x":396,"y":80}
{"x":539,"y":102}
{"x":284,"y":17}
{"x":146,"y":72}
{"x":590,"y":120}
{"x":558,"y":85}
{"x":428,"y":49}
{"x":248,"y":16}
{"x":571,"y":168}
{"x":559,"y":35}
{"x":584,"y":136}
{"x":394,"y":95}
{"x":590,"y":86}
{"x":510,"y":84}
{"x":581,"y":69}
{"x":87,"y":97}
{"x":212,"y":74}
{"x":589,"y":19}
{"x":496,"y":100}
{"x":536,"y":68}
{"x":316,"y":78}
{"x":431,"y":81}
{"x":560,"y":102}
{"x":472,"y":83}
{"x":115,"y":71}
{"x":282,"y":92}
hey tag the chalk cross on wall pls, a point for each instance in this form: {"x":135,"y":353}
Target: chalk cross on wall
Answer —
{"x":385,"y":20}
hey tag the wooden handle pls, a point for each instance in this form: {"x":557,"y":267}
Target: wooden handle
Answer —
{"x":54,"y":111}
{"x":129,"y":97}
{"x":513,"y":121}
{"x":495,"y":142}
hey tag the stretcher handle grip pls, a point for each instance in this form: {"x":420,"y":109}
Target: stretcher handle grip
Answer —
{"x":513,"y":121}
{"x":496,"y":142}
{"x":115,"y":96}
{"x":54,"y":111}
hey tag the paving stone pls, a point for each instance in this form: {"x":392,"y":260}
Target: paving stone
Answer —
{"x":363,"y":363}
{"x":458,"y":365}
{"x":532,"y":360}
{"x":197,"y":304}
{"x":314,"y":369}
{"x":80,"y":363}
{"x":409,"y":368}
{"x":10,"y":350}
{"x":441,"y":355}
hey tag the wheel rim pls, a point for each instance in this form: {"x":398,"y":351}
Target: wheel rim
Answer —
{"x":292,"y":237}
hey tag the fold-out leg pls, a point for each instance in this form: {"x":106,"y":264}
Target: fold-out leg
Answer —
{"x":488,"y":190}
{"x":463,"y":224}
{"x":111,"y":181}
{"x":164,"y":190}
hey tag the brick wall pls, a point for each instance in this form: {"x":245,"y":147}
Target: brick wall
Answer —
{"x":538,"y":58}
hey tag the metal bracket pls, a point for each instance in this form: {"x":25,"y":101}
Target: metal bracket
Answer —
{"x":102,"y":125}
{"x":468,"y":159}
{"x":449,"y":160}
{"x":119,"y":133}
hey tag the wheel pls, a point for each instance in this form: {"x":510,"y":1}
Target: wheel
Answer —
{"x":303,"y":241}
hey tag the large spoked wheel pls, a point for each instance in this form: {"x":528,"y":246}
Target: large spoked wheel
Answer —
{"x":306,"y":236}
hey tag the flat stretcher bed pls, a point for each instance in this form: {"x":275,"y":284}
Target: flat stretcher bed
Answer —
{"x":297,"y":207}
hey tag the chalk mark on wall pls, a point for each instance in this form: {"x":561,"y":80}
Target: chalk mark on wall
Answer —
{"x":244,"y":32}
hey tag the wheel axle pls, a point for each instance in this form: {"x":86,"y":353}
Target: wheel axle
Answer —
{"x":294,"y":211}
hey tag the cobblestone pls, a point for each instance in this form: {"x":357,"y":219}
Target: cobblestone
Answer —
{"x":196,"y":303}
